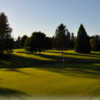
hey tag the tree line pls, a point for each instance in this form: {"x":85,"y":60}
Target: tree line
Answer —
{"x":38,"y":41}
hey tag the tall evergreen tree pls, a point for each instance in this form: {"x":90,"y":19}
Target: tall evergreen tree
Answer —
{"x":72,"y":41}
{"x":82,"y":42}
{"x":5,"y":34}
{"x":22,"y":41}
{"x":60,"y":37}
{"x":68,"y":40}
{"x":18,"y":42}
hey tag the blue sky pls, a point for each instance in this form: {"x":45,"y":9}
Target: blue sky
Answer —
{"x":27,"y":16}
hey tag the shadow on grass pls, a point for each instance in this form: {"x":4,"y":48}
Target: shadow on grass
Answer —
{"x":9,"y":92}
{"x":71,"y":60}
{"x":93,"y":54}
{"x":75,"y":66}
{"x":72,"y":66}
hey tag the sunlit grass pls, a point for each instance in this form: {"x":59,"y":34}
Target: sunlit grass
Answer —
{"x":35,"y":82}
{"x":97,"y":64}
{"x":78,"y":76}
{"x":71,"y":55}
{"x":20,"y":53}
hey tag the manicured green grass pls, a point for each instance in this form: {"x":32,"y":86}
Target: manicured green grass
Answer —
{"x":44,"y":74}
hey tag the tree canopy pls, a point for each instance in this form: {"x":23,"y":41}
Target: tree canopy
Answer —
{"x":82,"y":44}
{"x":38,"y":42}
{"x":95,"y":43}
{"x":6,"y":40}
{"x":60,"y":37}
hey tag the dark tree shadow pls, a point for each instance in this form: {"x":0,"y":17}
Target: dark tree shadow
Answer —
{"x":77,"y":66}
{"x":5,"y":92}
{"x":73,"y":66}
{"x":80,"y":54}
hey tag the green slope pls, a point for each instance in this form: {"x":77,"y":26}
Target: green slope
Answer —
{"x":45,"y":75}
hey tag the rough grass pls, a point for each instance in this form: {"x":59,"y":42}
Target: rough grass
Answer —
{"x":44,"y":74}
